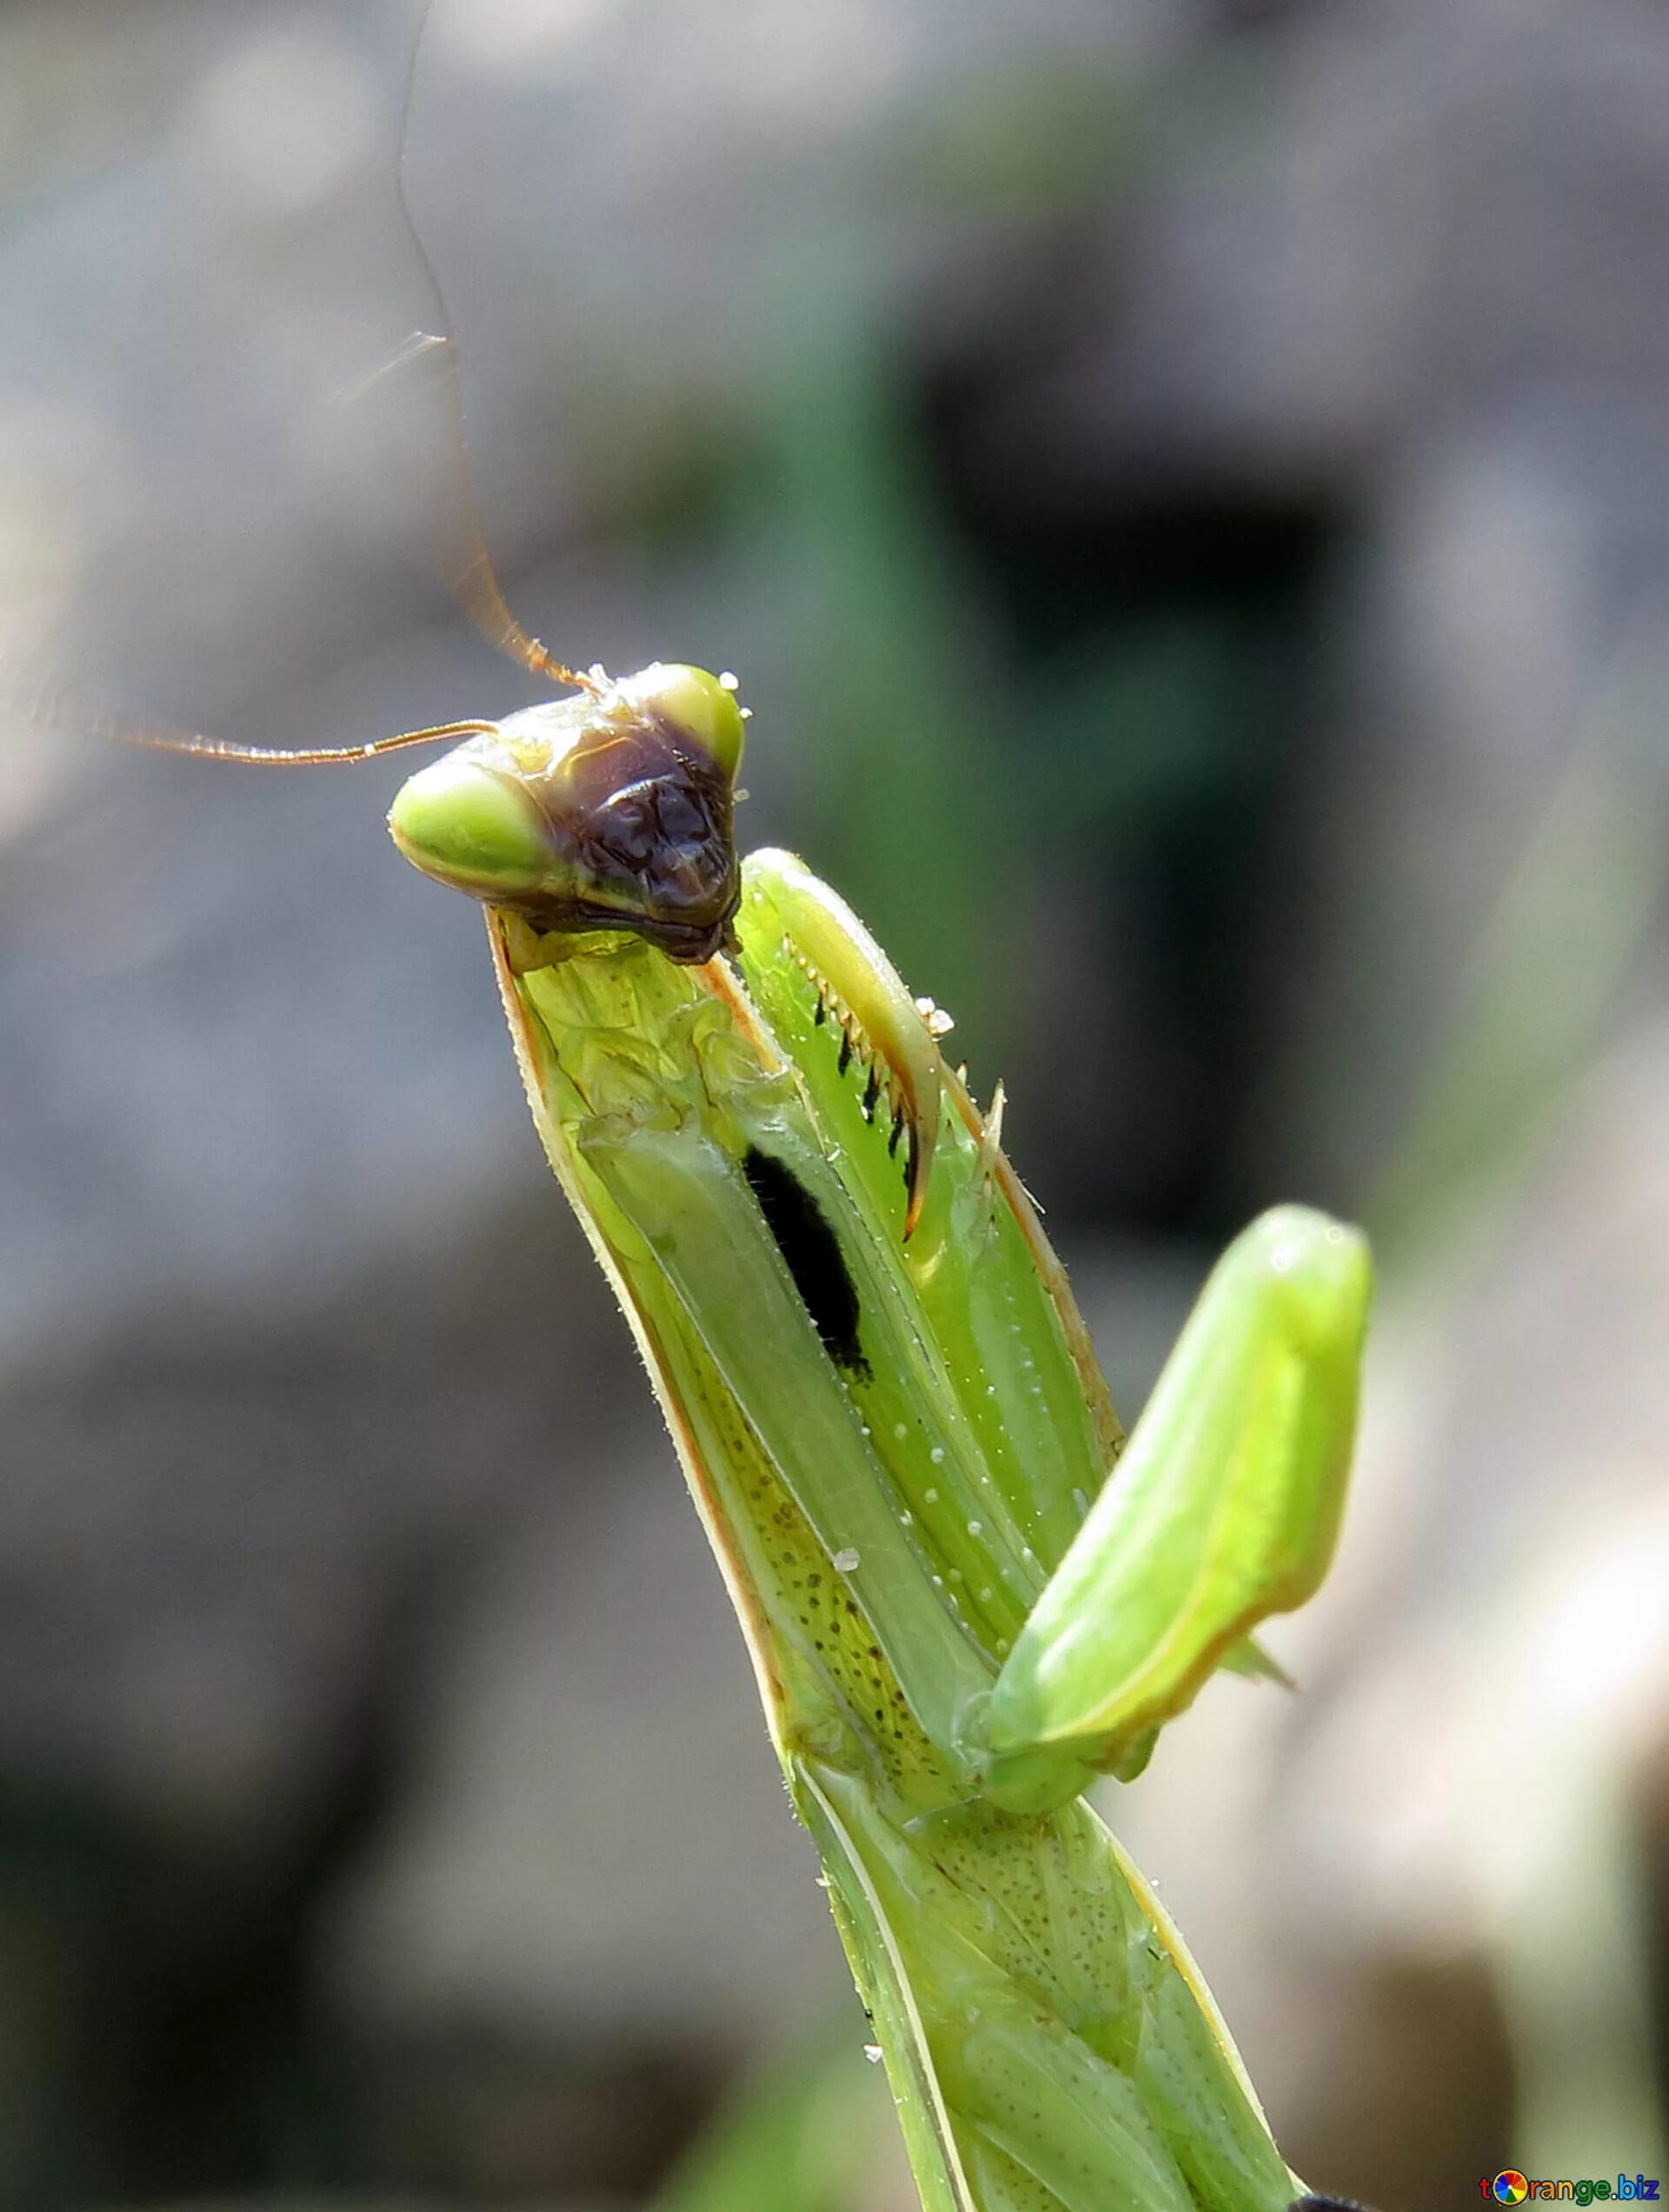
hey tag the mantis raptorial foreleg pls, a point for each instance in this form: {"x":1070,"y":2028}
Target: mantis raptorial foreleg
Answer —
{"x":1227,"y":1504}
{"x":1226,"y":1511}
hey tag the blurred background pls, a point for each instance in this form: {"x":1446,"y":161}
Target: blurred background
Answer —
{"x":1185,"y":485}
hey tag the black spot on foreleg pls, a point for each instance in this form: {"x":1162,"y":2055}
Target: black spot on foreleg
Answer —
{"x":811,"y":1252}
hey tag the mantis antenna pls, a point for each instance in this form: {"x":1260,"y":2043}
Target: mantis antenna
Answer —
{"x":56,"y":704}
{"x":467,"y":567}
{"x":466,"y":563}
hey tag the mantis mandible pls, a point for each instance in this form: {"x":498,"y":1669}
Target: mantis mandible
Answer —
{"x":964,"y":1593}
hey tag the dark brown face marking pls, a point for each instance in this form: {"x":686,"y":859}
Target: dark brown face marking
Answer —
{"x":812,"y":1253}
{"x":642,"y":814}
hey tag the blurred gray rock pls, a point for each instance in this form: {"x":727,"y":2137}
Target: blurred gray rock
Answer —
{"x":599,"y":1836}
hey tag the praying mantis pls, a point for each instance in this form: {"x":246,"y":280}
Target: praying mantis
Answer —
{"x":965,"y":1593}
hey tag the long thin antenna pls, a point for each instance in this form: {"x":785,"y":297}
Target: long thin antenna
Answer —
{"x":186,"y":740}
{"x":466,"y":563}
{"x":52,"y":703}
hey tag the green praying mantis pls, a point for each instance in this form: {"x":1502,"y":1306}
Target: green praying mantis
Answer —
{"x":894,"y":1429}
{"x":965,"y":1595}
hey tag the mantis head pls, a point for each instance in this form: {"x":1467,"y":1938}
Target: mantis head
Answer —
{"x":612,"y":810}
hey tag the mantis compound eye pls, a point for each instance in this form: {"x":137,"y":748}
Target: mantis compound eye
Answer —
{"x":697,"y":704}
{"x":473,"y":826}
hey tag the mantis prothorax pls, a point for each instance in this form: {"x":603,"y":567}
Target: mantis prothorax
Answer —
{"x":963,"y":1593}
